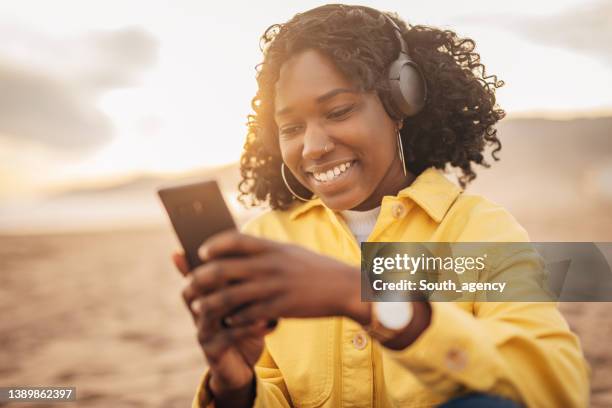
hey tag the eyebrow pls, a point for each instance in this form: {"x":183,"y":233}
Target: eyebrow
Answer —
{"x":320,"y":99}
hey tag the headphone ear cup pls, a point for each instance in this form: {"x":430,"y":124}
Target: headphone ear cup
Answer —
{"x":408,"y":87}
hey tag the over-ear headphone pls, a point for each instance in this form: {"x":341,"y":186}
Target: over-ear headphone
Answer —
{"x":408,"y":87}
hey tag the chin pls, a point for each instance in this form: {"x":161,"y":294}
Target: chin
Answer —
{"x":341,"y":202}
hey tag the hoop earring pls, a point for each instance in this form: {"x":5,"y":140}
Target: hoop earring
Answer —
{"x":296,"y":195}
{"x":400,"y":149}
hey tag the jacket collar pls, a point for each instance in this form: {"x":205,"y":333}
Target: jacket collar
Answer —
{"x":431,"y":191}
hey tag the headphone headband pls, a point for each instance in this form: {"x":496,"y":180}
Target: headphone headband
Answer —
{"x":397,"y":31}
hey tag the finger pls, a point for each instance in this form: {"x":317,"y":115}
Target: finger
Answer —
{"x":179,"y":260}
{"x":227,"y":300}
{"x":234,"y":334}
{"x":215,"y":345}
{"x":207,"y":325}
{"x":267,"y":310}
{"x":218,"y":273}
{"x":215,"y":337}
{"x":215,"y":275}
{"x":228,"y":321}
{"x":231,"y":242}
{"x":206,"y":320}
{"x":189,"y":295}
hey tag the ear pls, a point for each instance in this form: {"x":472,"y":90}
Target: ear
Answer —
{"x":400,"y":124}
{"x":390,"y":108}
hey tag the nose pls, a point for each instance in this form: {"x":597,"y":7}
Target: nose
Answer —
{"x":315,"y":140}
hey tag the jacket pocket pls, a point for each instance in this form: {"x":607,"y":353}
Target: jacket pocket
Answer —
{"x":303,"y":350}
{"x":402,"y":388}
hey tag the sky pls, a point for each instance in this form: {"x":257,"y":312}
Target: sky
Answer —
{"x":96,"y":91}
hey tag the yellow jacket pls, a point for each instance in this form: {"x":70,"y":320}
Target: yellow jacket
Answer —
{"x":523,"y":351}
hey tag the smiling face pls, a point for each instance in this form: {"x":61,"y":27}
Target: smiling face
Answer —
{"x":339,"y":143}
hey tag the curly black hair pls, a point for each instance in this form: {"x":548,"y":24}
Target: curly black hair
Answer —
{"x":454,"y":127}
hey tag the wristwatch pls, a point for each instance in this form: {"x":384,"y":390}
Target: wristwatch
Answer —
{"x":389,"y":319}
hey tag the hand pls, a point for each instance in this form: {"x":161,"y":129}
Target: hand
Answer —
{"x":272,"y":279}
{"x":231,"y":352}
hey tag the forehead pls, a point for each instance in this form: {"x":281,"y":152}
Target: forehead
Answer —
{"x":306,"y":76}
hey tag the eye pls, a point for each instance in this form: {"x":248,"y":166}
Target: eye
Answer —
{"x":289,"y":130}
{"x":340,"y":113}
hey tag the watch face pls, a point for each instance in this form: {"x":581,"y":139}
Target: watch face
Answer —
{"x":393,"y":315}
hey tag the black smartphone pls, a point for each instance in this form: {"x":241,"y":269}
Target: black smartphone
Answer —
{"x":197,"y":211}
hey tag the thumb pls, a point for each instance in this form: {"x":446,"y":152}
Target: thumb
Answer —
{"x":178,"y":258}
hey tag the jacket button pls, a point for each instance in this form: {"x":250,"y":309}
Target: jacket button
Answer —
{"x":360,"y":341}
{"x":398,"y":210}
{"x":456,"y":359}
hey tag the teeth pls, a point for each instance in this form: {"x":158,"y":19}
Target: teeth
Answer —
{"x":332,"y":173}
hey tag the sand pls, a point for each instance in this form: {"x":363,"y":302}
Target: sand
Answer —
{"x":99,"y":311}
{"x":102,"y":311}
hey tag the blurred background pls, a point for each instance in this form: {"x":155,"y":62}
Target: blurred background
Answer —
{"x":103,"y":102}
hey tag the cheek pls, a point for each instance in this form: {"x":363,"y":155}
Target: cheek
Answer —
{"x":380,"y":149}
{"x":291,"y":153}
{"x":390,"y":147}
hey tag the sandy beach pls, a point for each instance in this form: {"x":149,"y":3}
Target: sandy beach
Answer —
{"x":102,"y":311}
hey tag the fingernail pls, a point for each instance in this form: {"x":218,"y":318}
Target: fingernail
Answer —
{"x":203,"y":253}
{"x":195,"y":306}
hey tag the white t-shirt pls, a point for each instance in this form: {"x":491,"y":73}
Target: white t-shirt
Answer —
{"x":361,"y":223}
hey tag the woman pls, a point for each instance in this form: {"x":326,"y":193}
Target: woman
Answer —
{"x":344,"y":152}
